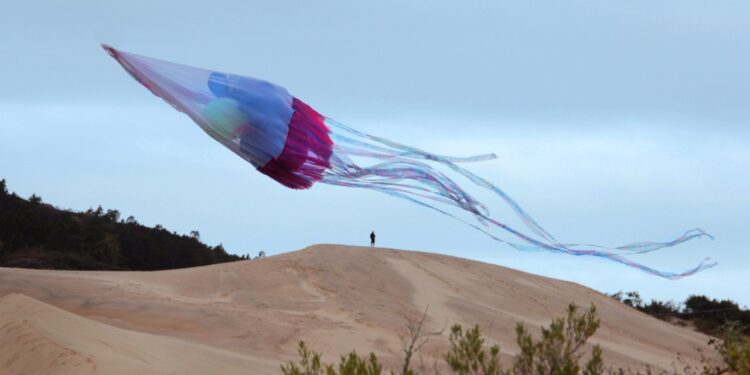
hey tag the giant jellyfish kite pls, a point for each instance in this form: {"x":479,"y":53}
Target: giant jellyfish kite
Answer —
{"x":287,"y":140}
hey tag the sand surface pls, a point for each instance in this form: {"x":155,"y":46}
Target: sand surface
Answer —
{"x":247,"y":317}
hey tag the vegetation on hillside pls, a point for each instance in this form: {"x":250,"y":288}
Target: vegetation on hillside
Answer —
{"x":706,"y":314}
{"x":557,"y":350}
{"x":37,"y":235}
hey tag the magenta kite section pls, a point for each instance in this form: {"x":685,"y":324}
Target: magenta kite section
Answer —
{"x":306,"y":152}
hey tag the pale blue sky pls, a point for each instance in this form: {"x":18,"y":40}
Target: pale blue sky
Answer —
{"x":613,"y":122}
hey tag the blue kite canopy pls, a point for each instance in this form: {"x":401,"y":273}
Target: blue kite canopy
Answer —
{"x":287,"y":140}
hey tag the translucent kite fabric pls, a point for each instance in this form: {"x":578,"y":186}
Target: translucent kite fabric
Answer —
{"x":287,"y":140}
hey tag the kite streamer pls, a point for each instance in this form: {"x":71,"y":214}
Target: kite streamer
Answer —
{"x":290,"y":142}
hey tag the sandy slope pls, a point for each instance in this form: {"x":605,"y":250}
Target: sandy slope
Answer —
{"x":37,"y":338}
{"x":246,"y":317}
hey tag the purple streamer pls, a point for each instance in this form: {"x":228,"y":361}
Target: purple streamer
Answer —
{"x":403,"y":172}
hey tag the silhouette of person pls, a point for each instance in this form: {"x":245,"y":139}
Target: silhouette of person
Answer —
{"x":372,"y":239}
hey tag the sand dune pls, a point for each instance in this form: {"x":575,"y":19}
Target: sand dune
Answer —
{"x":37,"y":338}
{"x":246,"y":317}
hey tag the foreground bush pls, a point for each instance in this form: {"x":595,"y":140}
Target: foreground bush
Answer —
{"x":559,"y":349}
{"x":351,"y":364}
{"x":557,"y":352}
{"x":469,"y":356}
{"x":734,"y":349}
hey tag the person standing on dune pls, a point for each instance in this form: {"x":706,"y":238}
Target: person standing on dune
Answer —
{"x":372,"y":239}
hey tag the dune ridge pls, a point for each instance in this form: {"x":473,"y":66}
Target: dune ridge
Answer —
{"x":247,"y":316}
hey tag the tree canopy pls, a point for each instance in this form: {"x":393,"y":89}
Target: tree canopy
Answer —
{"x":34,"y":234}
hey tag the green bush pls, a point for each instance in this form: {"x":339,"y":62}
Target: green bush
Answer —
{"x":468,"y":356}
{"x":309,"y":364}
{"x":351,"y":364}
{"x":556,"y":352}
{"x":734,"y":349}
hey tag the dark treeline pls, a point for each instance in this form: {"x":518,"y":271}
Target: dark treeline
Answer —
{"x":37,"y":235}
{"x":708,"y":315}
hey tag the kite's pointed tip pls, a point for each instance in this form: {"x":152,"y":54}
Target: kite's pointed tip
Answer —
{"x":110,"y":50}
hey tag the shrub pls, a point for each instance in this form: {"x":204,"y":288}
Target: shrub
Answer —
{"x":557,"y":352}
{"x":309,"y":364}
{"x":734,"y":349}
{"x":351,"y":364}
{"x":468,"y":356}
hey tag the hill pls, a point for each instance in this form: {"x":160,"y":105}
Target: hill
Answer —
{"x":251,"y":314}
{"x":37,"y":235}
{"x":41,"y":339}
